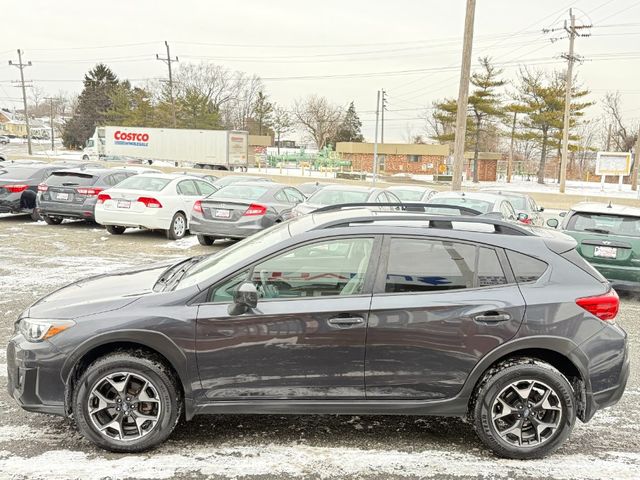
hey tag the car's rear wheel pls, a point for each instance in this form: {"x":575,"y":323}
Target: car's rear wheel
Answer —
{"x":52,"y":220}
{"x":35,"y":215}
{"x":524,"y":409}
{"x":178,"y":227}
{"x":115,"y":229}
{"x":206,"y":239}
{"x":127,"y":402}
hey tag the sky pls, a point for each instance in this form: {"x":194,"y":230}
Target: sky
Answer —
{"x":344,"y":50}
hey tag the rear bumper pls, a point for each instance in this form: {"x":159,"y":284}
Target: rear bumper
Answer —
{"x":149,"y":219}
{"x":10,"y":204}
{"x":66,"y":210}
{"x":217,"y":228}
{"x":33,"y":374}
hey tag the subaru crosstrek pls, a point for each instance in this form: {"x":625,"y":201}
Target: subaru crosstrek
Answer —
{"x":341,"y":312}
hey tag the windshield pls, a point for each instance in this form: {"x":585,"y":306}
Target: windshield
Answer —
{"x":479,"y":205}
{"x":519,"y":202}
{"x":327,"y":197}
{"x":60,"y":179}
{"x":408,"y":195}
{"x":228,"y":257}
{"x":240,"y":192}
{"x":148,"y":184}
{"x":605,"y":223}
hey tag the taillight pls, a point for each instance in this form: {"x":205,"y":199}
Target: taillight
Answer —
{"x":43,"y":187}
{"x":605,"y":307}
{"x":255,"y":209}
{"x":103,"y":197}
{"x":197,"y":207}
{"x":16,"y":188}
{"x":150,"y":202}
{"x":91,"y":192}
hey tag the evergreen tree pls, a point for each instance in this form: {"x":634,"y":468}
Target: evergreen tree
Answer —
{"x":350,"y":130}
{"x":93,"y":104}
{"x":262,"y":113}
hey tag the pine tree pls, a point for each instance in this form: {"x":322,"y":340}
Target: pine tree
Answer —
{"x":350,"y":130}
{"x":262,"y":112}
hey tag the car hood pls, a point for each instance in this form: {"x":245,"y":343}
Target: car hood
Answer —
{"x":98,"y":294}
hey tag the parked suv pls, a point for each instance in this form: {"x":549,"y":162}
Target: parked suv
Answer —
{"x":19,"y":186}
{"x":73,"y":193}
{"x":351,"y":311}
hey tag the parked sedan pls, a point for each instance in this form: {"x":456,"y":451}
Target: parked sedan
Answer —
{"x":608,"y":237}
{"x":19,"y":186}
{"x":485,"y":203}
{"x":242,"y":209}
{"x":156,"y":201}
{"x":412,"y":193}
{"x":526,"y":208}
{"x":309,"y":188}
{"x":73,"y":193}
{"x":339,"y":194}
{"x":229,"y":179}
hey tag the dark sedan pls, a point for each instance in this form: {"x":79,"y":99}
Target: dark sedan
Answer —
{"x":19,"y":186}
{"x":242,"y":209}
{"x":72,"y":193}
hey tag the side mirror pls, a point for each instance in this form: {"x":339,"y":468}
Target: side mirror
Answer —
{"x":553,"y":223}
{"x":245,"y":298}
{"x":562,"y":214}
{"x":522,"y":217}
{"x":541,"y":209}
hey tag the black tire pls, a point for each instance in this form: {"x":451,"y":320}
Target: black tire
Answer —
{"x":85,"y":158}
{"x":176,"y":231}
{"x":206,"y":240}
{"x":115,"y":229}
{"x":35,"y":215}
{"x":497,"y":381}
{"x":140,"y":365}
{"x":52,"y":220}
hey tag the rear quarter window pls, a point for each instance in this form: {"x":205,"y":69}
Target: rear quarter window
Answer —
{"x":526,"y":268}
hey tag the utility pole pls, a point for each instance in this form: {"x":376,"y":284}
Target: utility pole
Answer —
{"x":636,"y":162}
{"x":21,"y":66}
{"x":51,"y":120}
{"x":463,"y":97}
{"x":169,"y":61}
{"x":375,"y":143}
{"x":384,"y":107}
{"x":572,"y":30}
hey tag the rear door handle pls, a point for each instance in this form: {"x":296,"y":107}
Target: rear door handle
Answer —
{"x":492,"y":317}
{"x":345,"y":321}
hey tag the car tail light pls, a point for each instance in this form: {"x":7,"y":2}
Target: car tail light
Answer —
{"x":255,"y":209}
{"x":103,"y":197}
{"x":150,"y":202}
{"x":605,"y":307}
{"x":16,"y":188}
{"x":91,"y":192}
{"x":197,"y":207}
{"x":43,"y":187}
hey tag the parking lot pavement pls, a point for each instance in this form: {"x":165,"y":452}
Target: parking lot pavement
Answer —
{"x":36,"y":258}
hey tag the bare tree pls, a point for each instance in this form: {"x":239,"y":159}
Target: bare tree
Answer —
{"x":318,"y":118}
{"x":239,"y":110}
{"x":215,"y":84}
{"x":623,"y":135}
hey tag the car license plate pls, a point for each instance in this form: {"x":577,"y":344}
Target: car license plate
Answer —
{"x":223,"y":214}
{"x":605,"y":252}
{"x":124,"y":204}
{"x":62,"y":196}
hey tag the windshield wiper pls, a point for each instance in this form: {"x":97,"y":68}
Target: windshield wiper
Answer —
{"x":176,"y":274}
{"x":169,"y":272}
{"x":597,"y":230}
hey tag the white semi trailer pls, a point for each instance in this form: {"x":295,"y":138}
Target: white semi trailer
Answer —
{"x":213,"y":149}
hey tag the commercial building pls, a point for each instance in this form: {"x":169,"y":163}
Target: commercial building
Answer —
{"x":396,"y":157}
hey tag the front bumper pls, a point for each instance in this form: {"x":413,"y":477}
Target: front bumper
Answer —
{"x":66,"y":210}
{"x":33,"y":374}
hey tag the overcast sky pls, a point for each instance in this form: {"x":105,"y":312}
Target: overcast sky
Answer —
{"x":411,"y":48}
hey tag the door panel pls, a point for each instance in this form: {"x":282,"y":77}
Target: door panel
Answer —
{"x":439,"y":310}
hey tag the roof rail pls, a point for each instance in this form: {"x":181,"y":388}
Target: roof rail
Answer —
{"x":435,"y":221}
{"x":407,"y":207}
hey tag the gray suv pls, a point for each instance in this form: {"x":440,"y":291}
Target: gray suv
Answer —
{"x":341,"y":312}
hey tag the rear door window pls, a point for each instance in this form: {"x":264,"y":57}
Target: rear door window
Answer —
{"x":425,"y":265}
{"x":294,"y":195}
{"x":187,"y":188}
{"x":205,"y":188}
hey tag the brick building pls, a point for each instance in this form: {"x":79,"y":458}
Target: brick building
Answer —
{"x":487,"y":166}
{"x":395,"y":157}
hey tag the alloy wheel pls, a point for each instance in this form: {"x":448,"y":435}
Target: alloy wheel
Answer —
{"x":179,"y":226}
{"x":526,"y":413}
{"x":124,"y":406}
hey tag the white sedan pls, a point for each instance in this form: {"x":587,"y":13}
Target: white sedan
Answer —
{"x":156,"y":201}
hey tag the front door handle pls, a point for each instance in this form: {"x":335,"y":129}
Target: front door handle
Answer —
{"x":492,"y":317}
{"x":345,"y":321}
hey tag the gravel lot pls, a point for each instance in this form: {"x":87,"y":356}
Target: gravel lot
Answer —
{"x":36,"y":258}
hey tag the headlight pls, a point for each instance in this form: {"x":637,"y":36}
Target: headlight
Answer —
{"x":37,"y":330}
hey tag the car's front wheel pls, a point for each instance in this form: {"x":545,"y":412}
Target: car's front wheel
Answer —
{"x":178,"y":227}
{"x":127,"y":402}
{"x":524,"y":409}
{"x":115,"y":229}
